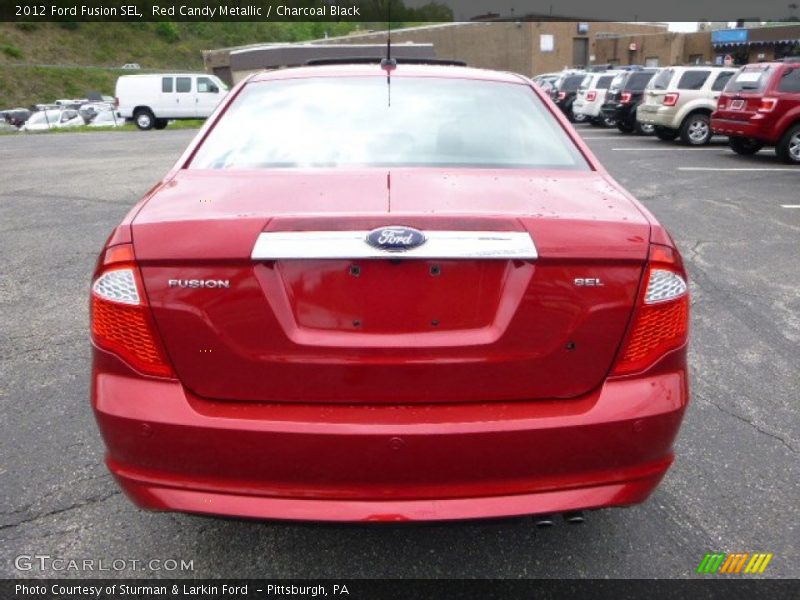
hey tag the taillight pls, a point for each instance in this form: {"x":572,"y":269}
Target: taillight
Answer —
{"x":591,"y":96}
{"x":670,"y":99}
{"x":661,"y":319}
{"x":767,"y":104}
{"x":722,"y":103}
{"x":625,"y":97}
{"x":116,"y":102}
{"x":120,"y":318}
{"x":562,"y":95}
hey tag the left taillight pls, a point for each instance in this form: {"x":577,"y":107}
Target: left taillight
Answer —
{"x":671,"y":99}
{"x":591,"y":96}
{"x":767,"y":105}
{"x":625,"y":98}
{"x":661,"y":318}
{"x":562,"y":95}
{"x":121,"y":322}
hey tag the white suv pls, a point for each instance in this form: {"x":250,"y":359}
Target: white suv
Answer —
{"x":679,"y":101}
{"x":591,"y":96}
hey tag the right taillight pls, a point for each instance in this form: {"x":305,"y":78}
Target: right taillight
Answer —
{"x":670,"y":99}
{"x":661,"y":319}
{"x":120,"y":318}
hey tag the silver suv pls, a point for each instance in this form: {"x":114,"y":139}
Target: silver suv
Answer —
{"x":679,"y":101}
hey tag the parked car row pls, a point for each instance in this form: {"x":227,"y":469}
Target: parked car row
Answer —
{"x":755,"y":106}
{"x":61,"y":114}
{"x":607,"y":96}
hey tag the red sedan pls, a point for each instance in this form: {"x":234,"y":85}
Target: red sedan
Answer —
{"x":388,"y":294}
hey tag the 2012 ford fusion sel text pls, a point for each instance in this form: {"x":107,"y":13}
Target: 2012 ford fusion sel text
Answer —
{"x":398,"y":292}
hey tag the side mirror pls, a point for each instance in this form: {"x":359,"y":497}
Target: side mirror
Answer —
{"x":213,"y":89}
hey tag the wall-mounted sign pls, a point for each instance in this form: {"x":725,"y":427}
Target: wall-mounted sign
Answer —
{"x":546,"y":42}
{"x":632,"y":47}
{"x":583,"y":28}
{"x":729,"y":36}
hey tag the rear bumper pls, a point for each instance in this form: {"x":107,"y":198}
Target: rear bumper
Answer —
{"x":619,"y":112}
{"x":752,"y":128}
{"x":170,"y":450}
{"x":582,"y":107}
{"x":659,"y":116}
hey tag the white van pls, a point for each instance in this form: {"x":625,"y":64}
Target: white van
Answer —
{"x":152,"y":100}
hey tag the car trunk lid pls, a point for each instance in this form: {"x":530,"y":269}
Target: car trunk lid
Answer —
{"x":333,"y":326}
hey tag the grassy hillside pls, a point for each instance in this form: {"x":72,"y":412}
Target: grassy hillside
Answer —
{"x":40,"y":62}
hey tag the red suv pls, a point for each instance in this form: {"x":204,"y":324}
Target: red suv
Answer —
{"x":761,"y":106}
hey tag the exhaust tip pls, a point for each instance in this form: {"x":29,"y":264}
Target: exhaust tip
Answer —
{"x":574,"y":518}
{"x":544,"y":521}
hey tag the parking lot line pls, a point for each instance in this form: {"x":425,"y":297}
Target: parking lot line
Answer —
{"x":682,"y":149}
{"x":795,"y":169}
{"x":790,"y":205}
{"x":601,"y":137}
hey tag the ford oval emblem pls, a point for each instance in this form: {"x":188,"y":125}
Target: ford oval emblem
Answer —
{"x":395,"y":239}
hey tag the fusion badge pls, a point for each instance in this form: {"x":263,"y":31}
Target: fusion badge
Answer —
{"x":199,"y":283}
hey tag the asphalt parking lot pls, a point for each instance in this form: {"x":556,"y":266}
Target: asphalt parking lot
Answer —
{"x":734,"y":487}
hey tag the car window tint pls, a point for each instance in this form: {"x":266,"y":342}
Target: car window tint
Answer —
{"x":603,"y":82}
{"x":662,"y":79}
{"x":790,"y":81}
{"x":721,"y":80}
{"x":348,"y":122}
{"x":638,"y":81}
{"x":693,"y":80}
{"x":183,"y":85}
{"x":166,"y":85}
{"x":571,"y":83}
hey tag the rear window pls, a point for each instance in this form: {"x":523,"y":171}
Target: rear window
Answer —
{"x":750,"y":79}
{"x":790,"y":81}
{"x":347,"y":122}
{"x":571,"y":83}
{"x":662,"y":79}
{"x":693,"y":80}
{"x":603,"y":82}
{"x":617,"y":82}
{"x":638,"y":81}
{"x":721,"y":80}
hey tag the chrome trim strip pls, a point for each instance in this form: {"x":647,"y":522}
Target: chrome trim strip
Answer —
{"x":279,"y":245}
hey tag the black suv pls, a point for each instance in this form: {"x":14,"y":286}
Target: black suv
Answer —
{"x":564,"y":91}
{"x":624,"y":95}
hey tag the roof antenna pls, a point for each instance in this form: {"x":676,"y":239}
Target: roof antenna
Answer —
{"x":389,"y":64}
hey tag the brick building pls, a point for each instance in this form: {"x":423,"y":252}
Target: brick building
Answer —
{"x":743,"y":45}
{"x":527,"y":47}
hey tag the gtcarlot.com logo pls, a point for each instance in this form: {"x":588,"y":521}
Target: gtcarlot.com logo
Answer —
{"x":45,"y":562}
{"x":737,"y":563}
